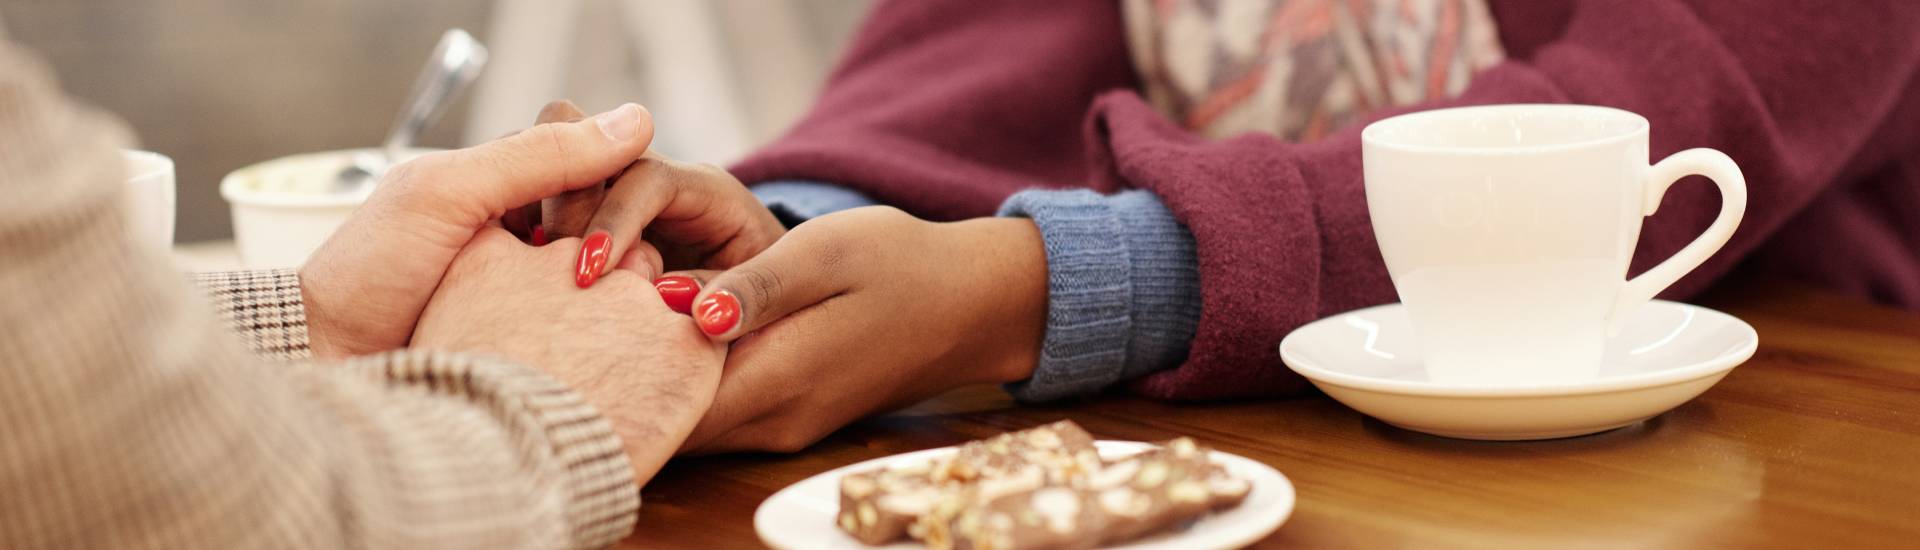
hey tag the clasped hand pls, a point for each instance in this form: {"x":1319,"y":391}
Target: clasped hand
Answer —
{"x":847,"y":315}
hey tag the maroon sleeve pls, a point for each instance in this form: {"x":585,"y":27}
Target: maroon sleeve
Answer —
{"x":945,"y":107}
{"x":1790,"y":90}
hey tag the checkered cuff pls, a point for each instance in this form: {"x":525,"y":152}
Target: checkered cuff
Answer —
{"x":594,"y":471}
{"x":264,"y":307}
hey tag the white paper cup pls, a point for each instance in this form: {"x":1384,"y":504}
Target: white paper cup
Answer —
{"x":149,"y":200}
{"x":283,"y":209}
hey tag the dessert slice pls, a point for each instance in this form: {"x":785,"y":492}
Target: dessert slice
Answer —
{"x":878,"y":507}
{"x":1161,"y":488}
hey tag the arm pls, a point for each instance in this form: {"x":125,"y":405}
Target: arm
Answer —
{"x":1123,"y":286}
{"x":131,"y":420}
{"x":943,"y":108}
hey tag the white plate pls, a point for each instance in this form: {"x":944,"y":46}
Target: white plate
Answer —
{"x":800,"y":517}
{"x":1667,"y":354}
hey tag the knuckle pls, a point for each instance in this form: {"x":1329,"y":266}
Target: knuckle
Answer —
{"x":619,"y":280}
{"x":624,"y":288}
{"x":762,"y":286}
{"x":646,"y":170}
{"x":888,"y":215}
{"x":524,"y":155}
{"x":409,"y":170}
{"x":559,"y":110}
{"x":710,"y":170}
{"x":551,"y":143}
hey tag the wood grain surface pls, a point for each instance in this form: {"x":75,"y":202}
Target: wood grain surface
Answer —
{"x":1814,"y":443}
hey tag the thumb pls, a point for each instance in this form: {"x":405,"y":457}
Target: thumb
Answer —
{"x":794,"y":273}
{"x":485,"y":180}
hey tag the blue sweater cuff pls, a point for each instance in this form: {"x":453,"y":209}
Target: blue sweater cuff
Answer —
{"x":793,"y":202}
{"x":1123,"y":296}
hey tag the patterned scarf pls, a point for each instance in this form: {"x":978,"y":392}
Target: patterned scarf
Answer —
{"x":1300,"y":69}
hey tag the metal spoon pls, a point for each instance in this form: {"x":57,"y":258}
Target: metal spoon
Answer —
{"x":455,"y":63}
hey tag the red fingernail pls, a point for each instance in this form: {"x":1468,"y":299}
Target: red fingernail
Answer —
{"x":677,"y":292}
{"x":539,"y":235}
{"x":718,"y":313}
{"x":593,"y":258}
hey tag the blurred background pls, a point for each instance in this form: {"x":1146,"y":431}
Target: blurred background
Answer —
{"x":222,"y":84}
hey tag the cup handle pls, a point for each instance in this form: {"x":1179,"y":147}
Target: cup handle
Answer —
{"x":1733,"y":204}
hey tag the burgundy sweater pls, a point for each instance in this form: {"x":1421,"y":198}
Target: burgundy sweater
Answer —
{"x":945,"y":107}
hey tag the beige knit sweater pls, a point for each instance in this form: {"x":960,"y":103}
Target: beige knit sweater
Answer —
{"x":130,"y":419}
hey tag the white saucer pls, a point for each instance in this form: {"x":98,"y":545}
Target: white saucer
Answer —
{"x":1668,"y":353}
{"x":801,"y":515}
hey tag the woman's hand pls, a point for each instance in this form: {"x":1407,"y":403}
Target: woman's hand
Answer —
{"x":863,"y":311}
{"x":364,"y":289}
{"x":673,"y":214}
{"x":646,"y":369}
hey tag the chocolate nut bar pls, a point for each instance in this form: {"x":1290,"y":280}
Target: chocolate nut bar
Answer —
{"x":876,"y":507}
{"x":1043,"y":488}
{"x":1156,"y":489}
{"x":1062,"y":448}
{"x":879,"y":507}
{"x":1053,"y":518}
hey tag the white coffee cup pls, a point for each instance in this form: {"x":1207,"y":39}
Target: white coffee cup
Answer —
{"x":1507,"y":230}
{"x":149,"y":200}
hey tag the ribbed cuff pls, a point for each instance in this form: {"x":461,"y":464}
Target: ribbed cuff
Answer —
{"x":1123,"y":289}
{"x":584,"y":457}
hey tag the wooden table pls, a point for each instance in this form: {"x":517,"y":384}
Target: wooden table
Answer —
{"x":1814,"y":443}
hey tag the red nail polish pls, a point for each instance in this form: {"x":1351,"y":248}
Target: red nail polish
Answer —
{"x":539,"y":235}
{"x":718,"y":313}
{"x":593,"y":258}
{"x":677,"y":292}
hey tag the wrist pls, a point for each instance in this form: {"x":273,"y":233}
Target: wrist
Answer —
{"x":327,"y":331}
{"x":1013,"y":263}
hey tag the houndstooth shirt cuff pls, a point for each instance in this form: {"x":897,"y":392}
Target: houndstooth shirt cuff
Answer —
{"x":264,"y":307}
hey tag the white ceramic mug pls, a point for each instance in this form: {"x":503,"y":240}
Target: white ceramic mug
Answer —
{"x":1507,"y":230}
{"x":149,"y":200}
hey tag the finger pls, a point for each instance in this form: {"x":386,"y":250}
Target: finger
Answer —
{"x":559,"y":111}
{"x":698,"y":214}
{"x":679,"y":288}
{"x":566,"y":215}
{"x":677,"y":256}
{"x":797,"y":271}
{"x":525,"y":220}
{"x":614,"y":224}
{"x":515,"y":221}
{"x":659,"y":190}
{"x":700,"y":276}
{"x":537,"y":234}
{"x":643,"y":259}
{"x":483,"y":181}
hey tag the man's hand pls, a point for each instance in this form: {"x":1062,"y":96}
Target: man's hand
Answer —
{"x":864,"y":311}
{"x":366,"y":286}
{"x":646,"y":368}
